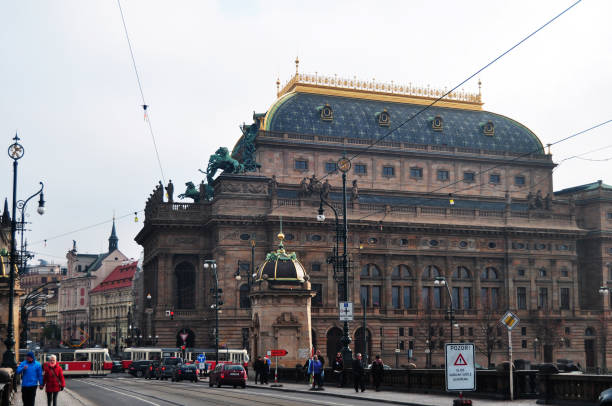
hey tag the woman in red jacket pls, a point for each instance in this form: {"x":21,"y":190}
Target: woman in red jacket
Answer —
{"x":53,"y":378}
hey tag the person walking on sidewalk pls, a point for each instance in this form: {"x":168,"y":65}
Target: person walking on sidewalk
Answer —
{"x":315,"y":368}
{"x":338,"y":368}
{"x":31,"y":378}
{"x":322,"y":361}
{"x":377,"y":372}
{"x":358,"y":374}
{"x":54,"y":380}
{"x":258,"y":366}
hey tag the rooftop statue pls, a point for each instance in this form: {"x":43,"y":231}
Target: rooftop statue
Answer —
{"x":191,"y":192}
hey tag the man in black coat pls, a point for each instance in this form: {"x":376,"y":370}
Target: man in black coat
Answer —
{"x":358,"y":374}
{"x":258,"y":366}
{"x":338,"y":368}
{"x":377,"y":372}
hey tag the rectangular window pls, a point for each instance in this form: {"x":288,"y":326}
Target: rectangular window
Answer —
{"x":469,"y":176}
{"x":484,"y":297}
{"x":318,"y":299}
{"x":521,"y":298}
{"x":376,"y":296}
{"x":315,"y":267}
{"x":43,"y":279}
{"x":438,"y":298}
{"x":494,"y":298}
{"x":330,"y":167}
{"x":426,"y":297}
{"x":543,"y":298}
{"x":410,"y":331}
{"x":467,"y":298}
{"x":401,"y":345}
{"x":365,"y":296}
{"x":388,"y":171}
{"x":470,"y":331}
{"x":416,"y":173}
{"x":301,"y":165}
{"x":519,"y":180}
{"x":456,"y":299}
{"x":443,"y":175}
{"x":361,"y":169}
{"x":565,"y":298}
{"x":407,"y":297}
{"x":461,"y":331}
{"x":82,"y":291}
{"x":609,"y":215}
{"x":411,"y":345}
{"x":494,"y":178}
{"x":395,"y":297}
{"x":400,"y":331}
{"x":523,"y":344}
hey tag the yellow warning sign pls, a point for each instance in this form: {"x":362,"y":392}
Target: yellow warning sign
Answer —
{"x":510,"y":320}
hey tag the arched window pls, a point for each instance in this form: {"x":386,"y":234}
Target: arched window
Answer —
{"x":360,"y":346}
{"x":401,"y":271}
{"x":461,"y":273}
{"x":370,"y":270}
{"x":431,"y":272}
{"x":489,"y":273}
{"x":333,"y":343}
{"x":185,"y":286}
{"x":245,"y":302}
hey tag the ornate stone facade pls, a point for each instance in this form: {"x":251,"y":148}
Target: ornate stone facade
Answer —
{"x":475,"y":207}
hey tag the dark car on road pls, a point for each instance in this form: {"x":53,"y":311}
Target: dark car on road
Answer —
{"x":228,"y":374}
{"x":138,"y":368}
{"x":152,"y":370}
{"x":186,"y":372}
{"x":605,"y":398}
{"x":167,"y":367}
{"x":117,"y":366}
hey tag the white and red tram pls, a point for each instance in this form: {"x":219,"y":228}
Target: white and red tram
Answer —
{"x":80,"y":361}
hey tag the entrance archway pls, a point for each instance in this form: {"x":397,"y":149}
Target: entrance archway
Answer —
{"x":333,"y":343}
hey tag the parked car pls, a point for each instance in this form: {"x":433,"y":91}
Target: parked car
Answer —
{"x":186,"y":372}
{"x":167,"y":366}
{"x":385,"y":367}
{"x":152,"y":370}
{"x":228,"y":374}
{"x":605,"y":398}
{"x":138,"y":368}
{"x":567,"y":365}
{"x":117,"y":366}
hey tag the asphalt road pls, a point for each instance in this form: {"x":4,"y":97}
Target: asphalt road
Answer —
{"x":123,"y":389}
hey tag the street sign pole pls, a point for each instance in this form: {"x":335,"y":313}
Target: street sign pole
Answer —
{"x":510,"y":366}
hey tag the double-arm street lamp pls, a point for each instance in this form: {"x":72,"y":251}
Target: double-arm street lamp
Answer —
{"x":441,"y":281}
{"x":344,"y":165}
{"x":251,"y":271}
{"x":34,"y":300}
{"x":21,"y":205}
{"x":212,"y":265}
{"x":15,"y":152}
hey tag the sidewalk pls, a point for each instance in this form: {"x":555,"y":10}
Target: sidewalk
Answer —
{"x":65,"y":398}
{"x":398,"y":398}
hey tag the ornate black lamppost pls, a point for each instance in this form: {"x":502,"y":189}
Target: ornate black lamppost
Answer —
{"x":344,"y":165}
{"x":21,"y":205}
{"x":441,"y":281}
{"x":212,"y":265}
{"x":15,"y":152}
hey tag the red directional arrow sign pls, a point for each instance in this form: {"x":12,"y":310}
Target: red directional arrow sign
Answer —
{"x":278,"y":353}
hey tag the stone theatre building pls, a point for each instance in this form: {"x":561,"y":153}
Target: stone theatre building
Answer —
{"x":455,"y":192}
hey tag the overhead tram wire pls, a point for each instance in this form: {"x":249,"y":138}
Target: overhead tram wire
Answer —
{"x":86,"y":227}
{"x":518,"y":157}
{"x":427,"y":107}
{"x":144,"y":103}
{"x":422,"y":110}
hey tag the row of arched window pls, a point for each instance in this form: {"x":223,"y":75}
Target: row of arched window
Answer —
{"x":429,"y":272}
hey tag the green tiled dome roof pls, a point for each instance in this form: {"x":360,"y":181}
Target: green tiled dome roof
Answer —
{"x":300,"y":113}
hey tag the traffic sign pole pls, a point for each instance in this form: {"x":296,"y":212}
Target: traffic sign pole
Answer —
{"x":510,"y":366}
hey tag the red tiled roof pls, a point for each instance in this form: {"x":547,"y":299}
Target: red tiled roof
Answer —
{"x":120,"y":277}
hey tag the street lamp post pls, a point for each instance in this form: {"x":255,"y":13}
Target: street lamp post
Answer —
{"x":344,"y":165}
{"x":212,"y":265}
{"x":21,"y":205}
{"x":535,"y":349}
{"x":604,"y":291}
{"x":116,"y":334}
{"x":33,"y":301}
{"x":441,"y":281}
{"x":15,"y":152}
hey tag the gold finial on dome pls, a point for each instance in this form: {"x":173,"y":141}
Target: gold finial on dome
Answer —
{"x":277,"y":86}
{"x":281,"y":236}
{"x":297,"y":64}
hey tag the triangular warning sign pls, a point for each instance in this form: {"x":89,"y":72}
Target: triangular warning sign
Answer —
{"x":460,"y":361}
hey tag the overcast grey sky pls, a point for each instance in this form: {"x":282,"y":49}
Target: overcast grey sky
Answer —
{"x":68,"y":87}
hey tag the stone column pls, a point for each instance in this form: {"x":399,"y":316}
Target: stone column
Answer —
{"x":386,"y":293}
